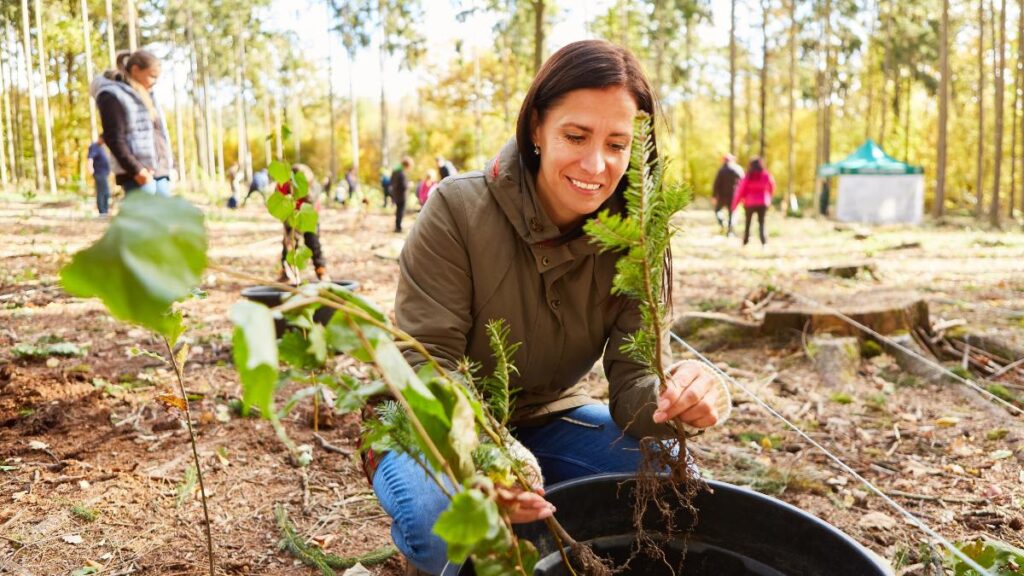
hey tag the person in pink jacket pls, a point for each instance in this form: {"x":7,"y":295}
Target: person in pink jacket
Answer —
{"x":755,"y":191}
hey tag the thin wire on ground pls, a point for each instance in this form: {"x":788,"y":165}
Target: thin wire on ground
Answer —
{"x":847,"y":468}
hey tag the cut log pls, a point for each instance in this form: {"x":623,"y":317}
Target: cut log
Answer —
{"x":711,"y":331}
{"x":884,"y":311}
{"x":835,"y":359}
{"x":849,"y":270}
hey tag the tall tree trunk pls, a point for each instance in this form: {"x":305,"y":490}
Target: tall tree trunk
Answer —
{"x":268,"y":131}
{"x":791,"y":202}
{"x":980,"y":176}
{"x":178,"y":132}
{"x":4,"y":136}
{"x":204,"y":69}
{"x":748,"y":104}
{"x":47,"y":118}
{"x":132,"y":16}
{"x":994,"y":214}
{"x":37,"y":148}
{"x":333,"y":176}
{"x":764,"y":76}
{"x":244,"y":163}
{"x":732,"y":77}
{"x":940,"y":172}
{"x":278,"y":132}
{"x":199,"y":127}
{"x":538,"y":34}
{"x":219,"y":128}
{"x":1020,"y":87}
{"x":353,"y":115}
{"x":385,"y":150}
{"x":111,"y":47}
{"x":15,"y":150}
{"x":829,"y":72}
{"x":907,"y":117}
{"x":6,"y":91}
{"x":869,"y":76}
{"x":87,"y":40}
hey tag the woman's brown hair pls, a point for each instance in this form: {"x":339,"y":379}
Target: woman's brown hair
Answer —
{"x":584,"y":64}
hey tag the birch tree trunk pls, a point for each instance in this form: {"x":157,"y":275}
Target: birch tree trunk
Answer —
{"x":353,"y":117}
{"x":133,"y":39}
{"x":732,"y":77}
{"x":37,"y":149}
{"x":1020,"y":87}
{"x":538,"y":34}
{"x":4,"y":135}
{"x":14,"y":136}
{"x":938,"y":208}
{"x":333,"y":164}
{"x":994,"y":215}
{"x":47,"y":118}
{"x":385,"y":151}
{"x":980,"y":176}
{"x":111,"y":48}
{"x":204,"y":67}
{"x":764,"y":77}
{"x":791,"y":151}
{"x":244,"y":163}
{"x":178,"y":134}
{"x":268,"y":131}
{"x":87,"y":39}
{"x":219,"y":133}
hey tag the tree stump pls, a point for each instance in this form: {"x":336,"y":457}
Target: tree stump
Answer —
{"x":884,"y":311}
{"x":835,"y":359}
{"x":711,"y":330}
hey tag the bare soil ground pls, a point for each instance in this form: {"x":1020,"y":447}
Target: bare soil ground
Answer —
{"x":91,"y":466}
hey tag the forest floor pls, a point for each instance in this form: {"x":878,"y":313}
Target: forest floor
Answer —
{"x":92,"y":468}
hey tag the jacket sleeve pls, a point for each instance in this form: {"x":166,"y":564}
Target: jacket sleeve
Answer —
{"x":632,"y":389}
{"x":741,"y":189}
{"x":435,"y":289}
{"x":114,"y":120}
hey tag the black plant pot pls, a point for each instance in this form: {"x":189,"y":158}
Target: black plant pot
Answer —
{"x":271,"y":296}
{"x":738,"y":532}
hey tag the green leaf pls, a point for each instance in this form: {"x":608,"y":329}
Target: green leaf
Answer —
{"x":301,"y":188}
{"x":299,"y":257}
{"x":362,"y":303}
{"x":471,"y":519}
{"x":343,"y":338}
{"x":279,"y":172}
{"x":295,"y":351}
{"x":153,"y":254}
{"x":988,"y":553}
{"x":255,"y":355}
{"x":505,"y":564}
{"x":463,"y":437}
{"x":307,"y":218}
{"x":286,"y":132}
{"x":280,"y":205}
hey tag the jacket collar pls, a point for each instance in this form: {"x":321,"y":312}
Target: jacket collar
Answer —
{"x":513,"y":187}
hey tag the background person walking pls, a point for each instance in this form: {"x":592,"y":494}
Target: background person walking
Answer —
{"x":755,"y":191}
{"x":728,"y":177}
{"x":100,"y":167}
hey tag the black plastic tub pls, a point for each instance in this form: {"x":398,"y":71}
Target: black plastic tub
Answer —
{"x":271,"y":296}
{"x":738,"y":532}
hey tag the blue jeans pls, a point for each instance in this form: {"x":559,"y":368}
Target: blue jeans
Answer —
{"x":589,"y":444}
{"x":158,"y":186}
{"x":102,"y":193}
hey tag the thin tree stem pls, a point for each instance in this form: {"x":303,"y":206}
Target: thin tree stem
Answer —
{"x":195,"y":454}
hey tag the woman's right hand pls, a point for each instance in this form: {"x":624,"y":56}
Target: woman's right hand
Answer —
{"x":523,"y":506}
{"x":143,"y":177}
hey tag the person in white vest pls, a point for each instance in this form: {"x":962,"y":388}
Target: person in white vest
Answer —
{"x":134,"y":127}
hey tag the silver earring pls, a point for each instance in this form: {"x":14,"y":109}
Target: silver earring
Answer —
{"x":536,"y":150}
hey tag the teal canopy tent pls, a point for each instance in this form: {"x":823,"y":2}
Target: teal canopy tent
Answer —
{"x":875,"y":188}
{"x":868,"y":159}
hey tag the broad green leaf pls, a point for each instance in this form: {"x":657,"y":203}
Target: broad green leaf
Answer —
{"x":280,"y":205}
{"x":299,"y":257}
{"x":301,"y":188}
{"x":472,"y":518}
{"x":294,"y":350}
{"x":175,"y":327}
{"x":352,"y":394}
{"x":362,"y":303}
{"x":153,"y":254}
{"x":279,"y":172}
{"x":463,"y":436}
{"x":343,"y":338}
{"x":286,"y":132}
{"x":988,"y":553}
{"x":306,"y":219}
{"x":255,"y":354}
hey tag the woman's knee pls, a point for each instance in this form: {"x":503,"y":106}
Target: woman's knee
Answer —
{"x":414,"y":502}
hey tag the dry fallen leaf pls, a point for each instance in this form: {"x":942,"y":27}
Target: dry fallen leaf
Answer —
{"x":171,"y":401}
{"x":947,"y":421}
{"x":72,"y":538}
{"x":876,"y":521}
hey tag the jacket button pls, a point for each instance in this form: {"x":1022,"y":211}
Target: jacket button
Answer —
{"x":555,"y":303}
{"x":545,"y":261}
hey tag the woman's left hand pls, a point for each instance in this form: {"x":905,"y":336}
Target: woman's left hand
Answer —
{"x":691,"y":397}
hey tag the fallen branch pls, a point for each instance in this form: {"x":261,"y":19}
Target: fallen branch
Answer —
{"x":927,"y":498}
{"x":331,"y":447}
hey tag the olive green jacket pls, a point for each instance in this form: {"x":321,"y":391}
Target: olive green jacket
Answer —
{"x":483,"y":249}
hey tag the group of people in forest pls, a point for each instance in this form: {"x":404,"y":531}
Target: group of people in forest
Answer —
{"x":753,"y":189}
{"x":504,"y":242}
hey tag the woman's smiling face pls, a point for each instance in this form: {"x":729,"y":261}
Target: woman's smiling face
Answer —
{"x":584,"y":143}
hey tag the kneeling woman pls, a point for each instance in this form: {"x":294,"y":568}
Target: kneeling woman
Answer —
{"x":508,"y":243}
